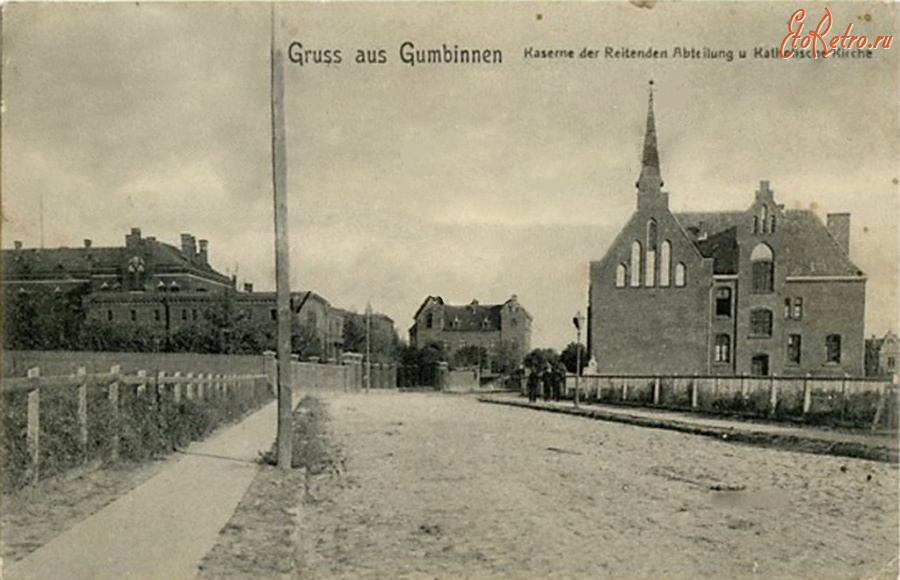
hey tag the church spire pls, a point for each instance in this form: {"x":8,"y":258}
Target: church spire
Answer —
{"x":651,"y":178}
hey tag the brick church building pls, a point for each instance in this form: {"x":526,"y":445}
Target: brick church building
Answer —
{"x":762,"y":291}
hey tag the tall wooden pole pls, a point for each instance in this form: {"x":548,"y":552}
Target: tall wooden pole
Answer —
{"x":282,"y":265}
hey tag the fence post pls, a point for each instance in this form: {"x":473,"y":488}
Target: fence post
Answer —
{"x":743,"y":388}
{"x":807,"y":396}
{"x":159,"y":388}
{"x":695,"y":395}
{"x":34,"y":423}
{"x":142,"y":386}
{"x":176,"y":389}
{"x":82,"y":410}
{"x":271,"y":368}
{"x":656,"y":391}
{"x":624,"y":390}
{"x":773,"y":396}
{"x":189,"y":386}
{"x":114,"y":408}
{"x":879,"y":408}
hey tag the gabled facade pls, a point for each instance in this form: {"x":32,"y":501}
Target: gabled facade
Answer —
{"x":881,"y":356}
{"x":492,"y":326}
{"x":762,"y":291}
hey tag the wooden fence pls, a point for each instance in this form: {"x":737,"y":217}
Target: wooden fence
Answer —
{"x":52,"y":423}
{"x":839,"y":401}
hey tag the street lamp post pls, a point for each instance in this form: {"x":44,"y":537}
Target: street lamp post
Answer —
{"x":578,"y":321}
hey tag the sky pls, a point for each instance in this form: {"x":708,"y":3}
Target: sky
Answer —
{"x":460,"y":181}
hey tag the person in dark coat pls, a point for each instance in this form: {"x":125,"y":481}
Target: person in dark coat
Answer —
{"x":533,"y":383}
{"x":559,"y":381}
{"x":547,"y":381}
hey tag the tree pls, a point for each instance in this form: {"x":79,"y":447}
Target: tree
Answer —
{"x":506,"y":358}
{"x":541,"y":358}
{"x":569,"y":357}
{"x":470,"y":356}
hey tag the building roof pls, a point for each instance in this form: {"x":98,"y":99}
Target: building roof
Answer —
{"x":810,"y":249}
{"x":50,"y":263}
{"x":472,"y":317}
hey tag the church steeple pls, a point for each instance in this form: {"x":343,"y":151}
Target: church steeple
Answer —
{"x":650,"y":182}
{"x":651,"y":178}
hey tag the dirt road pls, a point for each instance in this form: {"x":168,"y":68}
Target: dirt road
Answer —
{"x":444,"y":487}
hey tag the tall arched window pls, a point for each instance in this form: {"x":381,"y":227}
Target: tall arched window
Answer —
{"x":763,"y":269}
{"x":621,"y":275}
{"x":680,"y":274}
{"x":665,"y":262}
{"x":650,"y":262}
{"x":772,"y":224}
{"x":763,"y":218}
{"x":636,"y":264}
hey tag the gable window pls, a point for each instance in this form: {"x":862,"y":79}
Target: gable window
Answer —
{"x":798,"y":308}
{"x":772,"y":224}
{"x":793,"y":349}
{"x":723,"y":348}
{"x":485,"y":324}
{"x":635,"y":264}
{"x":680,"y":274}
{"x":456,"y":322}
{"x":763,"y":269}
{"x":665,"y":262}
{"x":761,"y":322}
{"x":621,"y":275}
{"x":723,"y":301}
{"x":833,"y":348}
{"x":429,"y":320}
{"x":763,"y":217}
{"x":755,"y":224}
{"x":650,"y":264}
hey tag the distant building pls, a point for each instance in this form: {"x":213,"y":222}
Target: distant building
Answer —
{"x":881,"y":356}
{"x":492,"y":326}
{"x":159,"y":286}
{"x":760,"y":291}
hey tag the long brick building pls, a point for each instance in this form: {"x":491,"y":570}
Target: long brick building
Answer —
{"x":759,"y":291}
{"x":159,"y":286}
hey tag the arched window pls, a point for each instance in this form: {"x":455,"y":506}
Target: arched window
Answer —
{"x":680,"y":274}
{"x":652,"y":235}
{"x":650,"y":267}
{"x":763,"y":218}
{"x":723,"y":301}
{"x":621,"y":275}
{"x":429,"y":320}
{"x":665,"y":262}
{"x":755,"y":224}
{"x":772,"y":224}
{"x":763,"y":269}
{"x":723,"y":348}
{"x":761,"y":322}
{"x":636,"y":264}
{"x":650,"y":263}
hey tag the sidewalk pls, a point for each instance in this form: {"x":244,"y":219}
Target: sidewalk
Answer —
{"x":163,"y":528}
{"x":858,"y":444}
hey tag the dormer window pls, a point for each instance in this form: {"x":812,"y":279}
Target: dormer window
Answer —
{"x":173,"y":287}
{"x":429,"y":320}
{"x":104,"y":286}
{"x":161,"y":287}
{"x":456,"y":322}
{"x":485,"y":324}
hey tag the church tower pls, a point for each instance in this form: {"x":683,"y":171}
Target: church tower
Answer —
{"x":649,"y":184}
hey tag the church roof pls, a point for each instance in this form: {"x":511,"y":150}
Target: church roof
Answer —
{"x":809,"y":248}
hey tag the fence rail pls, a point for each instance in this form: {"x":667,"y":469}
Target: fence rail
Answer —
{"x":839,"y":401}
{"x":53,"y":423}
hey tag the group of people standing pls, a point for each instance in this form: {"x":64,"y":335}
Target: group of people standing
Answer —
{"x":547,"y":382}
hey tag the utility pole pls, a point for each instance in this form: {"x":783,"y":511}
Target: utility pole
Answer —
{"x":282,"y":263}
{"x":368,"y":346}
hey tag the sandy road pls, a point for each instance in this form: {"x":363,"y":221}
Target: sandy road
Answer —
{"x":445,"y":487}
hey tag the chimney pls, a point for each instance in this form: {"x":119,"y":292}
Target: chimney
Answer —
{"x":133,"y":240}
{"x":188,"y":246}
{"x":87,"y":243}
{"x":839,"y":226}
{"x":248,"y":287}
{"x":18,"y":244}
{"x":204,"y":251}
